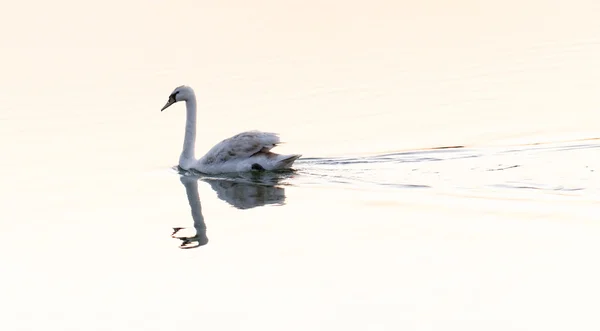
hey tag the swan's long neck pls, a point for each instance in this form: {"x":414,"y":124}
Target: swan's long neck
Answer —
{"x":189,"y":142}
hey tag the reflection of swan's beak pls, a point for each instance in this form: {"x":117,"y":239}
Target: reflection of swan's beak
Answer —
{"x":169,"y":103}
{"x":175,"y":230}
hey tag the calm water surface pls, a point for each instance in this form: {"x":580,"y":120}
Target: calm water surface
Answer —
{"x":450,"y":177}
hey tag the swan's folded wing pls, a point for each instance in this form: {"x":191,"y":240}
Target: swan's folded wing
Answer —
{"x":241,"y":146}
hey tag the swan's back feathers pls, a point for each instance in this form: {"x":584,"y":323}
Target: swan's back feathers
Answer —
{"x":242,"y":145}
{"x":240,"y":152}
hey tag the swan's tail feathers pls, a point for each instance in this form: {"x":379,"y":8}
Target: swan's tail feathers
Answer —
{"x":287,"y":161}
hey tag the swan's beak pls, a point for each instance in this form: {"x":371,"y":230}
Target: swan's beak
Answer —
{"x":169,"y":103}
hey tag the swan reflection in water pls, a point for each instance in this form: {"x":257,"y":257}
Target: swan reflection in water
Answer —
{"x":242,"y":191}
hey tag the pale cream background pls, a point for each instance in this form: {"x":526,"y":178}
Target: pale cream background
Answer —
{"x":88,"y":201}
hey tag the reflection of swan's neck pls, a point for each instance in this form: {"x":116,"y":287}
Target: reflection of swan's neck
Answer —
{"x":200,"y":239}
{"x":191,"y":190}
{"x":189,"y":143}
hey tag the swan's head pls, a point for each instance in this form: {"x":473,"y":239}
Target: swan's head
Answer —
{"x":181,"y":93}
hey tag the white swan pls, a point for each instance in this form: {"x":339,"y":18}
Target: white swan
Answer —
{"x":243,"y":152}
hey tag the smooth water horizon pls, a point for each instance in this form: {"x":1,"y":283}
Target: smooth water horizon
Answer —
{"x":449,"y":178}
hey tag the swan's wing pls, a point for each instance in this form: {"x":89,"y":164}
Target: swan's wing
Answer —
{"x":241,"y":146}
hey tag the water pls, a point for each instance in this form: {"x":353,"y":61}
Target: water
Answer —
{"x":449,"y":180}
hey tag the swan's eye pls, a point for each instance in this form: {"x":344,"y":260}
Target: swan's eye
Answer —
{"x":172,"y":96}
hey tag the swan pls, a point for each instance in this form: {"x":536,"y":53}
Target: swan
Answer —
{"x":246,"y":151}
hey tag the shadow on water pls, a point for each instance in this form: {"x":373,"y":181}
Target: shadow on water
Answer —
{"x":242,"y":191}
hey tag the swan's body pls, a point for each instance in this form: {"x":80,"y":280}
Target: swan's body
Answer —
{"x":243,"y":152}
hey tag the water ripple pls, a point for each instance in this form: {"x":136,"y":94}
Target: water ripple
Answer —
{"x":559,"y":167}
